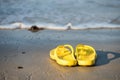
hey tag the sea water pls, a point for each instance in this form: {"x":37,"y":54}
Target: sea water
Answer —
{"x":56,"y":14}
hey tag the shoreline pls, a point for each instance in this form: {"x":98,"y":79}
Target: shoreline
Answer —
{"x":65,"y":29}
{"x":69,"y":26}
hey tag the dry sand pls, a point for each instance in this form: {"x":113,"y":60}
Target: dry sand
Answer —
{"x":24,"y":55}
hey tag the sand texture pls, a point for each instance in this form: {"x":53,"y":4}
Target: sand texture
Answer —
{"x":24,"y":55}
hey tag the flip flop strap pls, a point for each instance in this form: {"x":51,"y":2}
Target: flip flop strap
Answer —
{"x":65,"y":46}
{"x":71,"y":48}
{"x":82,"y":45}
{"x":78,"y":47}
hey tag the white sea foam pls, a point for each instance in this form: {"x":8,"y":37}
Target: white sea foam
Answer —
{"x":69,"y":26}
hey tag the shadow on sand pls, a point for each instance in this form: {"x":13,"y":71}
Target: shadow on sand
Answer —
{"x":104,"y":57}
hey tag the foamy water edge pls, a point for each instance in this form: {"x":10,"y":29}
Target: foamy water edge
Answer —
{"x":69,"y":26}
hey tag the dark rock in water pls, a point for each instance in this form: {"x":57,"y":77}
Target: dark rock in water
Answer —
{"x":69,"y":28}
{"x":69,"y":25}
{"x":20,"y":67}
{"x":23,"y":52}
{"x":35,"y":28}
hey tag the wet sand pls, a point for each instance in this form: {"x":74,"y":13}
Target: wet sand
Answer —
{"x":24,"y":55}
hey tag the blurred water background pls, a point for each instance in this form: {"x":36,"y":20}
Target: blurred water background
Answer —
{"x":80,"y":13}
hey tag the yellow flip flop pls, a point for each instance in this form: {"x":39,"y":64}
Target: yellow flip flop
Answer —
{"x":85,"y":55}
{"x":63,"y":55}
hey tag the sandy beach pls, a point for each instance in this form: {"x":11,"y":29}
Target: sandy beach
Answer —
{"x":24,"y":55}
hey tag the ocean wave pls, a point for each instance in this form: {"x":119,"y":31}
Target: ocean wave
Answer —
{"x":69,"y":26}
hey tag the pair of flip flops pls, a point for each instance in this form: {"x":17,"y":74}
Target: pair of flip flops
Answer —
{"x":64,"y":55}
